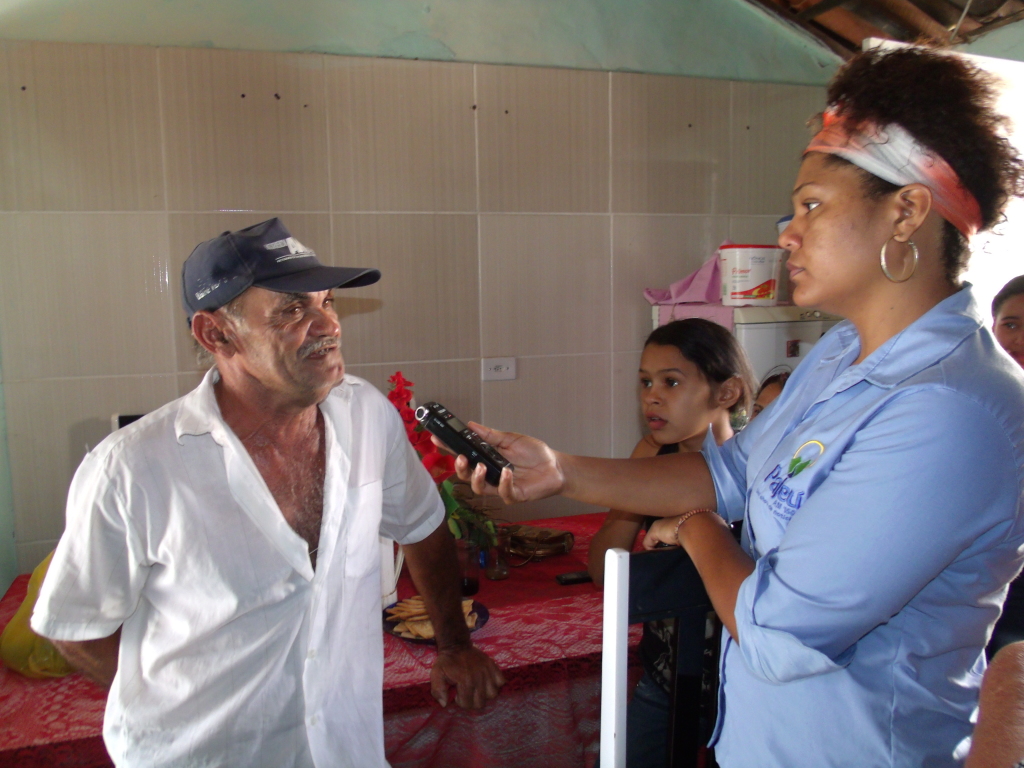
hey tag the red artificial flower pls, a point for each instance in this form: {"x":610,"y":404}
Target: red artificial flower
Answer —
{"x":399,"y":381}
{"x":399,"y":396}
{"x":422,"y":443}
{"x":408,"y":417}
{"x":441,"y":466}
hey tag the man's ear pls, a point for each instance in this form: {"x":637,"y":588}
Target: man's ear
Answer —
{"x":729,"y":392}
{"x":210,"y":330}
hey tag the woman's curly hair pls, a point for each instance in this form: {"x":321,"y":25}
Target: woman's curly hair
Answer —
{"x":947,"y":104}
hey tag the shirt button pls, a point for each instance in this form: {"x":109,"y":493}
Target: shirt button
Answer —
{"x":311,"y":655}
{"x":313,"y":720}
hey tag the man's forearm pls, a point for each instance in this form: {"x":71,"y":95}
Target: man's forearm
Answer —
{"x":998,"y":740}
{"x":96,"y":659}
{"x":433,"y":565}
{"x":659,"y":486}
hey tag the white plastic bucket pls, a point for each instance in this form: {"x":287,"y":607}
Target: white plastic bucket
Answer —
{"x":750,"y":275}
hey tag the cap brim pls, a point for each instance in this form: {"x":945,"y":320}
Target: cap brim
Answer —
{"x":321,"y":278}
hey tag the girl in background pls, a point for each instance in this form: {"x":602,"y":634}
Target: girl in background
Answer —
{"x":770,"y":389}
{"x":1008,"y":328}
{"x":1008,"y":318}
{"x":693,"y":376}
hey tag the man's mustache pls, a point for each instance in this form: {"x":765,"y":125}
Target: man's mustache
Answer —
{"x":312,"y":347}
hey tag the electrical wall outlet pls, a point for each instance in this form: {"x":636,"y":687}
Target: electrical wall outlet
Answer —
{"x":498,"y":368}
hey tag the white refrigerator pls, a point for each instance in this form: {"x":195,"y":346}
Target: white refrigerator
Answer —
{"x":774,"y":338}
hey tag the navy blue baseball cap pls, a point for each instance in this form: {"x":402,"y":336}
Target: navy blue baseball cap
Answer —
{"x":265,"y":255}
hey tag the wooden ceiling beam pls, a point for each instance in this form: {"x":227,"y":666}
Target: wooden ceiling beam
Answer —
{"x":913,"y":17}
{"x":850,"y":26}
{"x":1011,"y":19}
{"x":777,"y":8}
{"x":980,"y":8}
{"x":946,"y":13}
{"x":818,"y":8}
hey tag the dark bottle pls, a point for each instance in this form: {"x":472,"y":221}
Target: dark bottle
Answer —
{"x":470,"y":585}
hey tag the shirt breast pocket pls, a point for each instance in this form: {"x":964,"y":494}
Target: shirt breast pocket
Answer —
{"x":362,"y":548}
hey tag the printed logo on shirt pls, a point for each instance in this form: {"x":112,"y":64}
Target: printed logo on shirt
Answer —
{"x":805,"y":456}
{"x":779,"y":495}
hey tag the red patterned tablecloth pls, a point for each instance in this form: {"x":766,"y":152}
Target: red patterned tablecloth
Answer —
{"x":546,"y":637}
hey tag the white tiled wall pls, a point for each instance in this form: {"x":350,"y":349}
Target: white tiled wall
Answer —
{"x":513,"y":211}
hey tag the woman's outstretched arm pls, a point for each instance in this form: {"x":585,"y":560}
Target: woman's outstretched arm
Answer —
{"x":661,"y":486}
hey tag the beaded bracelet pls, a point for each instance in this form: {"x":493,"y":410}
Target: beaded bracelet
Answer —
{"x":683,"y":519}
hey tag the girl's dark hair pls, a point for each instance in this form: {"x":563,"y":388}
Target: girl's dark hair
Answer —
{"x":947,"y":104}
{"x":713,"y":349}
{"x":1013,"y":288}
{"x":779,"y":378}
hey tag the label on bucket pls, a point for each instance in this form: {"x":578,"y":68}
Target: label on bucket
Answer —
{"x":750,"y":274}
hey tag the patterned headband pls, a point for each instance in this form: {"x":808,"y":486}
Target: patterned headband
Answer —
{"x":894,"y":155}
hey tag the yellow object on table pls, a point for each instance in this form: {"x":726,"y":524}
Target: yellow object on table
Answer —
{"x":23,"y":650}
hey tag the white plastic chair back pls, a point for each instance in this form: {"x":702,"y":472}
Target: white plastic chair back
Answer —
{"x":614,"y":640}
{"x":390,"y":568}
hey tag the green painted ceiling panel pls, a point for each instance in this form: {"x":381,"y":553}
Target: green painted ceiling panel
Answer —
{"x":730,"y":39}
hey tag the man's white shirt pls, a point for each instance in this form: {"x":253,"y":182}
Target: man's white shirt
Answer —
{"x":233,"y":651}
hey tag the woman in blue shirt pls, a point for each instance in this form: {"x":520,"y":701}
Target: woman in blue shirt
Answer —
{"x":881,"y":491}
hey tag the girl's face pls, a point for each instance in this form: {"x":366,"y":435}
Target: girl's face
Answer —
{"x":1009,"y":327}
{"x":677,"y":401}
{"x":765,"y":397}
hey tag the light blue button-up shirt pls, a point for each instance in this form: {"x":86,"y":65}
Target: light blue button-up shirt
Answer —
{"x":882,"y":504}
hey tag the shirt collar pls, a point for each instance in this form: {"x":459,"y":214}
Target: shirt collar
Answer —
{"x":200,"y":415}
{"x":921,"y":344}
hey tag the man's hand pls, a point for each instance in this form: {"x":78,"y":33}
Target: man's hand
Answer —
{"x":476,"y":678}
{"x":96,"y":659}
{"x":435,"y":571}
{"x":538,"y":472}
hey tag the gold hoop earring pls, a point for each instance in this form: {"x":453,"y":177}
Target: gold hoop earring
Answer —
{"x":913,"y":268}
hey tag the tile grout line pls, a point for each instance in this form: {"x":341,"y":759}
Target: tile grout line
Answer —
{"x":199,"y":372}
{"x":330,"y":178}
{"x":715,"y":207}
{"x":479,"y":244}
{"x":167,"y":205}
{"x":37,"y":541}
{"x":101,"y":376}
{"x":388,"y":363}
{"x":173,"y":374}
{"x":611,"y":269}
{"x":157,"y":212}
{"x":470,"y":359}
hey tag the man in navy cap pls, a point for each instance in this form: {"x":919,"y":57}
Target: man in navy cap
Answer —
{"x":220,"y":567}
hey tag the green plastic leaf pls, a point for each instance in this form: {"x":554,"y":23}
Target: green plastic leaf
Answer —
{"x":451,"y":504}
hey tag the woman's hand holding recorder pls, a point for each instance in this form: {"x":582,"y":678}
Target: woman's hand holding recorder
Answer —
{"x":538,"y":470}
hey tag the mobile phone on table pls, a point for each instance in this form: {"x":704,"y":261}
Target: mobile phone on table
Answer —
{"x":574,"y":577}
{"x":443,"y":424}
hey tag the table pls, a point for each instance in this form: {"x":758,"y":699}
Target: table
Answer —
{"x":545,"y":637}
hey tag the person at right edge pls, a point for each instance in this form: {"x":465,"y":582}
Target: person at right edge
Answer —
{"x":881,"y":492}
{"x":1008,"y":328}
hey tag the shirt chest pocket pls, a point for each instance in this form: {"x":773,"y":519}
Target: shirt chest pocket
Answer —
{"x":362,"y":528}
